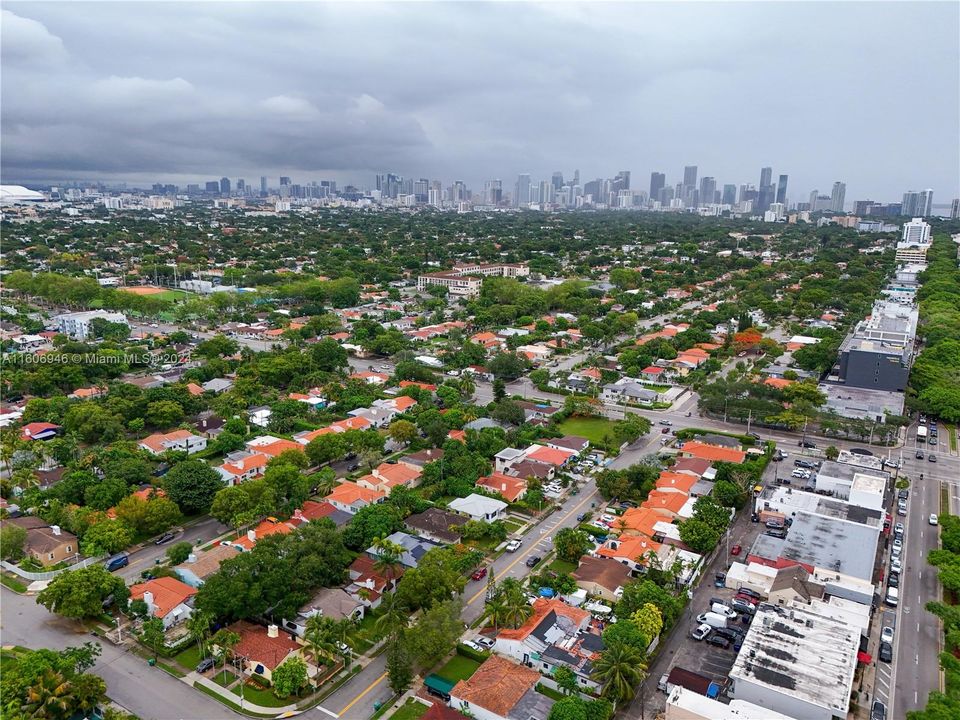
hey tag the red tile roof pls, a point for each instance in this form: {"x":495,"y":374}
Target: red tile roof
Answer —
{"x":167,"y":592}
{"x":712,"y":453}
{"x":497,"y":685}
{"x":510,"y":487}
{"x":258,"y":647}
{"x":541,"y":608}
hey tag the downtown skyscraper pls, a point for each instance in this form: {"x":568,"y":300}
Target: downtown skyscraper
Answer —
{"x":837,"y":196}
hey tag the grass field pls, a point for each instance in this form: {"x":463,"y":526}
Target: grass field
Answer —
{"x":459,"y":668}
{"x":189,"y":658}
{"x":594,"y":429}
{"x":562,"y":566}
{"x":224,"y":679}
{"x":265,"y":698}
{"x":410,"y":710}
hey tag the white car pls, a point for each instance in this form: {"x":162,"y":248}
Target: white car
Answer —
{"x":486,"y":642}
{"x":898,"y":543}
{"x":513,"y":546}
{"x":472,"y":645}
{"x":700,"y":632}
{"x":608,"y":518}
{"x":886,"y":635}
{"x":895,"y":565}
{"x":934,"y":520}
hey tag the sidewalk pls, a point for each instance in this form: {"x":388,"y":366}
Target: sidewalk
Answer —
{"x":247,"y":706}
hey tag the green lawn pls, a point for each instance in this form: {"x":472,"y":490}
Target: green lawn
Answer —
{"x":189,"y":658}
{"x":364,"y":635}
{"x":410,"y":710}
{"x":952,"y":434}
{"x":459,"y":668}
{"x":171,"y":295}
{"x":14,"y":585}
{"x":512,"y":525}
{"x":265,"y":698}
{"x":224,"y":679}
{"x":593,"y":428}
{"x":562,"y":566}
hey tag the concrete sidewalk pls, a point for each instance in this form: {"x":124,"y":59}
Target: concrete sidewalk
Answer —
{"x":247,"y":706}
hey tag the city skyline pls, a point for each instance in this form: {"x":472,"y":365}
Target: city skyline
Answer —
{"x":175,"y":111}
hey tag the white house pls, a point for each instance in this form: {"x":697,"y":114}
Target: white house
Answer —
{"x":178,"y":441}
{"x":479,"y":507}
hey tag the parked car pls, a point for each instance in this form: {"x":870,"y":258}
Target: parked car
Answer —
{"x":898,"y":529}
{"x":736,"y":550}
{"x":165,"y":538}
{"x":472,"y":645}
{"x":718,"y":640}
{"x":878,"y":711}
{"x":532,"y":560}
{"x":886,"y":635}
{"x":479,"y":574}
{"x":733,"y":634}
{"x":895,"y":565}
{"x":893,"y":596}
{"x":512,"y":546}
{"x":903,"y":494}
{"x":804,"y":464}
{"x":742,"y":606}
{"x":886,"y":652}
{"x":117,"y":562}
{"x":721,"y":609}
{"x":700,"y":632}
{"x":581,"y":517}
{"x":205,"y":664}
{"x":919,"y":454}
{"x":666,"y":422}
{"x":751,"y":593}
{"x":933,"y":520}
{"x":754,"y":518}
{"x":747,"y":598}
{"x":898,"y":543}
{"x":931,"y":457}
{"x":485,"y":642}
{"x":777,"y":533}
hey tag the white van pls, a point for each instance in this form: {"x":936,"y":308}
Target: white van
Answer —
{"x":893,"y":596}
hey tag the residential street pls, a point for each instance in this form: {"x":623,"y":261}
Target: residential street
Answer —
{"x":205,"y":530}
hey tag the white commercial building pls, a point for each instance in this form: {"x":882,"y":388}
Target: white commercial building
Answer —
{"x":77,"y":325}
{"x":798,"y":662}
{"x":916,"y":231}
{"x":683,"y":704}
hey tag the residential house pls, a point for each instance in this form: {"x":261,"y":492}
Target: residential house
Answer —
{"x":512,"y":489}
{"x":371,"y":378}
{"x":479,"y":507}
{"x":555,"y":635}
{"x":652,"y":374}
{"x":270,"y":526}
{"x":437,"y":525}
{"x":263,"y":648}
{"x":210,"y":426}
{"x":414,"y":548}
{"x":334,"y":603}
{"x":242,"y":466}
{"x":260,"y":416}
{"x":665,"y":502}
{"x":368,"y":584}
{"x":629,"y":391}
{"x":47,"y":544}
{"x":217,"y":385}
{"x":201,"y":565}
{"x":350,"y":497}
{"x":570,"y":443}
{"x":501,"y":690}
{"x":603,"y":577}
{"x":271,"y":446}
{"x":549,"y":455}
{"x":351,"y":423}
{"x":631,"y":550}
{"x":39,"y":431}
{"x":532,"y":411}
{"x":313,"y":510}
{"x":535,"y":469}
{"x":167,"y":598}
{"x":176,"y":441}
{"x":418,"y":459}
{"x":712,"y":453}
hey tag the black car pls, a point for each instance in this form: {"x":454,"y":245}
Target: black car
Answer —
{"x":878,"y":711}
{"x":932,"y":458}
{"x":919,"y":454}
{"x":352,"y":467}
{"x":731,"y":634}
{"x":805,"y":464}
{"x":581,"y":517}
{"x":806,"y":444}
{"x":886,"y":652}
{"x":165,"y":538}
{"x":860,"y":451}
{"x":894,"y":580}
{"x":205,"y":664}
{"x":718,"y":640}
{"x":903,"y":494}
{"x":751,"y":593}
{"x":754,"y":518}
{"x":533,"y":560}
{"x":777,"y":533}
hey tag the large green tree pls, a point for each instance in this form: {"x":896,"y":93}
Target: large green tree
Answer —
{"x":81,"y":593}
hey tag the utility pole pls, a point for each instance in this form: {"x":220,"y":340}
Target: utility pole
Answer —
{"x":749,"y":420}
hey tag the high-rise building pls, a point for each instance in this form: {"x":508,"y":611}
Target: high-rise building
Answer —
{"x":521,"y":195}
{"x":690,"y":175}
{"x":837,"y":195}
{"x":657,"y":182}
{"x":925,"y":204}
{"x":241,"y":185}
{"x":916,"y":232}
{"x":708,"y":190}
{"x":621,"y":181}
{"x":666,"y":195}
{"x":263,"y":184}
{"x":213,"y":186}
{"x":861,"y":208}
{"x":782,"y":190}
{"x":224,"y":186}
{"x":955,"y":209}
{"x":284,"y":181}
{"x":544,"y":191}
{"x":766,"y":176}
{"x":421,"y":191}
{"x":813,"y":199}
{"x":729,"y":195}
{"x":767,"y":192}
{"x":576,"y":177}
{"x":557,"y":180}
{"x":593,"y":188}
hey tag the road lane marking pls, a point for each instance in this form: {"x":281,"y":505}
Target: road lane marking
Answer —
{"x":360,"y":697}
{"x":522,"y":555}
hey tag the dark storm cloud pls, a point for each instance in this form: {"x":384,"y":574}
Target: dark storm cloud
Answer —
{"x":867,"y":93}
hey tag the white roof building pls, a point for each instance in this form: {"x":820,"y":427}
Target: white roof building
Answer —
{"x":683,"y":704}
{"x":479,"y":507}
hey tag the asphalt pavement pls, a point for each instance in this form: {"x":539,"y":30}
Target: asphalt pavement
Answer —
{"x":198,"y":533}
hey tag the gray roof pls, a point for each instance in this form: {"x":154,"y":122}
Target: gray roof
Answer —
{"x":414,"y":548}
{"x":531,"y":705}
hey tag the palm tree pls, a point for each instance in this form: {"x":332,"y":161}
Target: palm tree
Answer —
{"x":49,"y":697}
{"x":515,"y":607}
{"x":226,"y":640}
{"x":394,"y":616}
{"x":388,"y":557}
{"x":619,"y":670}
{"x":199,"y":627}
{"x":320,"y":637}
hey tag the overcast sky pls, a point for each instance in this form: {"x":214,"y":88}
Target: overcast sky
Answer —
{"x":180,"y":92}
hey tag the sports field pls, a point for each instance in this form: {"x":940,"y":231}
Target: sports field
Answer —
{"x":157,"y":292}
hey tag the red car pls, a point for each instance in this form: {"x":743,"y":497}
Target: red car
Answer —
{"x":735,"y":550}
{"x":479,"y":574}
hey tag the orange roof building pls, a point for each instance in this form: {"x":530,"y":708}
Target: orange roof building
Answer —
{"x":640,"y":521}
{"x":350,"y":497}
{"x":166,"y":597}
{"x":541,"y":608}
{"x":676,"y":482}
{"x":387,"y":476}
{"x":512,"y":488}
{"x":667,"y":504}
{"x":713,"y":453}
{"x":551,"y":456}
{"x":278,"y":446}
{"x":265,"y":528}
{"x":631,"y":548}
{"x":495,"y":688}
